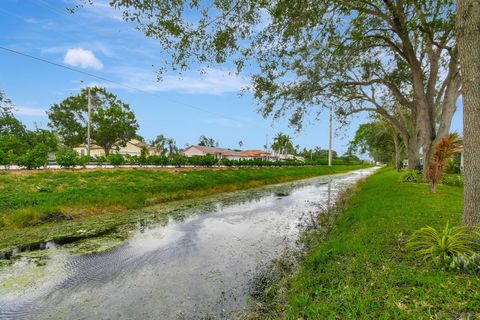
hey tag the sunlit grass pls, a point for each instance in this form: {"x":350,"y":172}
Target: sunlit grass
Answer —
{"x":365,"y":271}
{"x":25,"y":199}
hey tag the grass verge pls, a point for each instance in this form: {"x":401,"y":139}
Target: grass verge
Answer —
{"x":74,"y":205}
{"x":363,"y":271}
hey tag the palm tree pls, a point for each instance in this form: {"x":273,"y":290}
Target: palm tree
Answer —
{"x":159,"y":143}
{"x":282,"y":144}
{"x":172,"y":146}
{"x":240,"y":144}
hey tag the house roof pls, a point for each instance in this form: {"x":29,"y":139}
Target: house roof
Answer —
{"x":254,"y":153}
{"x":214,"y":150}
{"x":134,"y":142}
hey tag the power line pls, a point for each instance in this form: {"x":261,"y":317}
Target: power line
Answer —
{"x":114,"y":82}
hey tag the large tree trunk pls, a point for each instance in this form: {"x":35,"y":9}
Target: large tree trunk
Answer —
{"x":412,"y":148}
{"x":468,"y":37}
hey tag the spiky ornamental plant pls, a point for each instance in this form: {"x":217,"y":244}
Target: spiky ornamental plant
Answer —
{"x":444,"y":150}
{"x":450,"y":247}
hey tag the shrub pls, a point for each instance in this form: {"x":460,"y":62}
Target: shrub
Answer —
{"x":133,"y":160}
{"x":412,"y":176}
{"x":84,"y":160}
{"x":449,"y":248}
{"x":67,"y":159}
{"x":116,"y":159}
{"x":453,"y":180}
{"x":444,"y":150}
{"x":207,"y":161}
{"x":7,"y":158}
{"x":143,"y":159}
{"x":179,"y":160}
{"x":35,"y":158}
{"x":101,"y":160}
{"x":157,"y":160}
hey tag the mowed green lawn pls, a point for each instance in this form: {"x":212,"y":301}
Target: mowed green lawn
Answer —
{"x":33,"y":198}
{"x":364,"y":271}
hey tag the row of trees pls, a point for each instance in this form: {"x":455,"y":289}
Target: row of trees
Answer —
{"x":398,"y":59}
{"x":112,"y":125}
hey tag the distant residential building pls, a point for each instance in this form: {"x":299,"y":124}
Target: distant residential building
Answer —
{"x":222,"y":153}
{"x":257,"y":154}
{"x":132,"y":147}
{"x":218,"y":153}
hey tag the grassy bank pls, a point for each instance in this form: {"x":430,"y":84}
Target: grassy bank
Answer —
{"x":364,"y":271}
{"x":38,"y":206}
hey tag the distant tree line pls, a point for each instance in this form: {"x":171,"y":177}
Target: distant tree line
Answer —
{"x":113,"y":124}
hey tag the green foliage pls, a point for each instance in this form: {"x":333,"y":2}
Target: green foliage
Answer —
{"x":283,"y":144}
{"x":207,"y":142}
{"x":112,"y":120}
{"x":412,"y":176}
{"x":84,"y":160}
{"x":132,"y":160}
{"x":449,"y":248}
{"x":453,"y":180}
{"x":45,"y":137}
{"x":206,"y":161}
{"x":34,"y":158}
{"x":178,"y":160}
{"x":101,"y":160}
{"x":316,"y":154}
{"x":376,"y":139}
{"x":363,"y":270}
{"x":7,"y":158}
{"x":157,"y":160}
{"x":166,"y":146}
{"x":99,"y":192}
{"x":116,"y":159}
{"x":143,"y":159}
{"x":335,"y":51}
{"x":68,"y":158}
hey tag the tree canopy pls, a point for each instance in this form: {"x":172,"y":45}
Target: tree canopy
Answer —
{"x":283,"y":144}
{"x":113,"y":123}
{"x":207,"y":142}
{"x":375,"y":138}
{"x":396,"y":58}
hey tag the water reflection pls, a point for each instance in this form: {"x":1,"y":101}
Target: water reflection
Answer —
{"x":197,"y":263}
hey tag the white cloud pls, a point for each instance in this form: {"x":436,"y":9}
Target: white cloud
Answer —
{"x":25,"y":111}
{"x":212,"y":81}
{"x":82,"y":58}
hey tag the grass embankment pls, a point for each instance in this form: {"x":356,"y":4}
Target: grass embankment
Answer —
{"x":38,"y":206}
{"x":364,"y":271}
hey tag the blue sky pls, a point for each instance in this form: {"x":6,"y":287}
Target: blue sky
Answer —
{"x":96,"y":40}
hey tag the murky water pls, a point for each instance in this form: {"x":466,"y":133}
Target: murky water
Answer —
{"x":191,"y":269}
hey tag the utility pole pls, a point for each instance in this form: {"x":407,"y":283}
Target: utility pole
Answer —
{"x":330,"y":140}
{"x":89,"y":121}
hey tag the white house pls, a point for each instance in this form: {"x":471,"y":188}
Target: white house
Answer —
{"x":132,"y":147}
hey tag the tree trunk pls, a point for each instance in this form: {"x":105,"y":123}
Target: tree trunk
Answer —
{"x":468,"y":35}
{"x":397,"y":152}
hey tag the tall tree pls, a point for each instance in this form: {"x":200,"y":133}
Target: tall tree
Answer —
{"x":468,"y":33}
{"x":283,"y":144}
{"x":380,"y":140}
{"x":207,"y":142}
{"x":166,"y":145}
{"x":377,"y":56}
{"x":113,"y":123}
